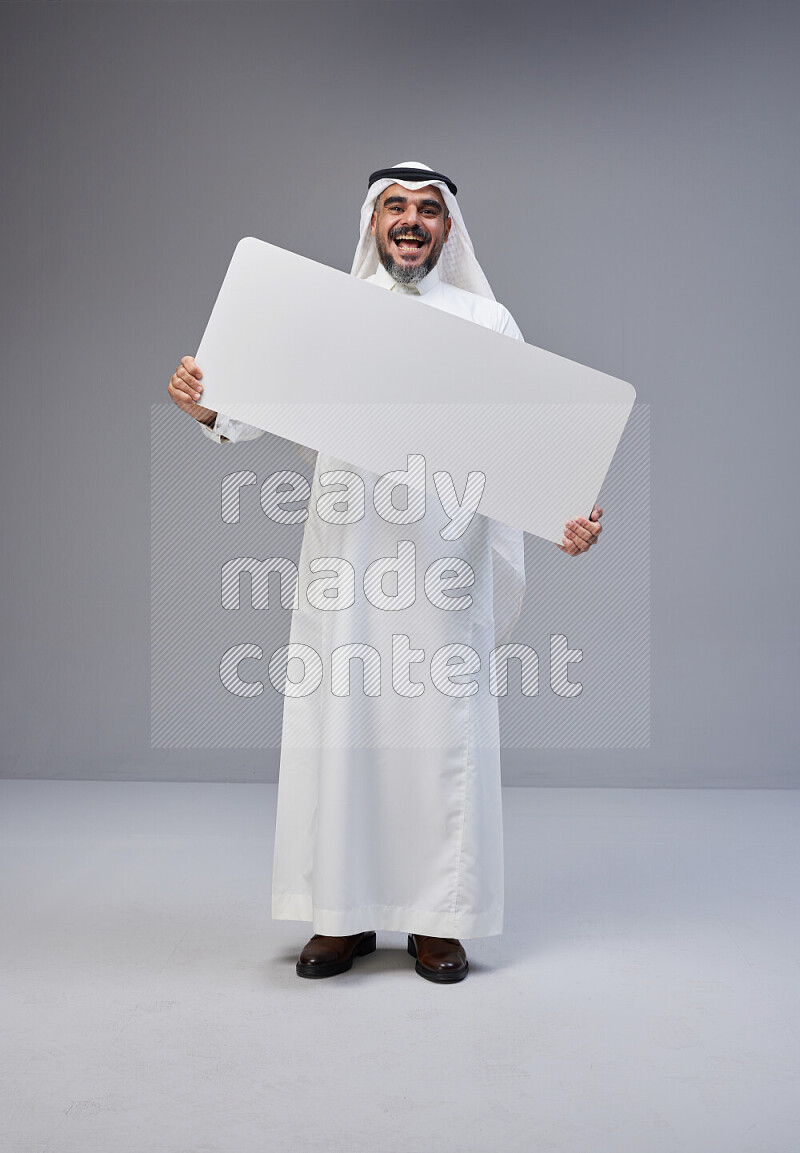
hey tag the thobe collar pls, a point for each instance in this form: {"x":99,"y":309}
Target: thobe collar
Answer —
{"x":386,"y":280}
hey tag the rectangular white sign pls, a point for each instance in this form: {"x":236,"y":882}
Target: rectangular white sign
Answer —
{"x":327,"y":360}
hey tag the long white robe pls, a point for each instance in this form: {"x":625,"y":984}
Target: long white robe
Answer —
{"x":389,"y":806}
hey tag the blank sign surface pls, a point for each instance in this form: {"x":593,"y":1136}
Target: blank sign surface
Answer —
{"x":371,"y":377}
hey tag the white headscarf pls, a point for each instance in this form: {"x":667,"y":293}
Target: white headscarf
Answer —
{"x":457,"y":264}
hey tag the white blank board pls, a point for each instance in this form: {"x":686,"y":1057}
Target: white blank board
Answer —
{"x":370,"y":377}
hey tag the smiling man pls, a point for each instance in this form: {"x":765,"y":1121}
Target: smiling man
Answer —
{"x":389,"y":803}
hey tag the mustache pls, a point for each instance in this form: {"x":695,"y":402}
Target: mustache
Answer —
{"x":414,"y":232}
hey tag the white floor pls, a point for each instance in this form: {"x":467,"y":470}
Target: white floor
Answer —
{"x":644,"y":998}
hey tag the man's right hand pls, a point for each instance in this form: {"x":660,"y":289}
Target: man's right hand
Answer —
{"x":185,"y":389}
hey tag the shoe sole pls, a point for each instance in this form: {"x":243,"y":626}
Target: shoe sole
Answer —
{"x":331,"y":968}
{"x":444,"y":978}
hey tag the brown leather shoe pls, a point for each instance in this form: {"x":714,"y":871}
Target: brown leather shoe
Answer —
{"x":326,"y":956}
{"x":439,"y":959}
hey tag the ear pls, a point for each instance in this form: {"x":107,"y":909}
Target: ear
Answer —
{"x":374,"y":219}
{"x":447,"y":225}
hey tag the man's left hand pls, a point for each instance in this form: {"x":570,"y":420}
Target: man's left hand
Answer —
{"x":580,"y":534}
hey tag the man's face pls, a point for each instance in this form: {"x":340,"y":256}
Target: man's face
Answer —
{"x":410,"y":230}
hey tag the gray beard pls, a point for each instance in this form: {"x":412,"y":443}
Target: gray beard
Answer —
{"x":412,"y":274}
{"x":405,"y":274}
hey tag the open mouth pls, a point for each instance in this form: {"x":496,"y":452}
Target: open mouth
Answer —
{"x":408,"y":243}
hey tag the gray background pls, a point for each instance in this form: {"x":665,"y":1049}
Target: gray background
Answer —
{"x":629,"y":174}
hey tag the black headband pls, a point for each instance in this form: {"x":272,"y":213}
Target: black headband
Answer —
{"x":419,"y":175}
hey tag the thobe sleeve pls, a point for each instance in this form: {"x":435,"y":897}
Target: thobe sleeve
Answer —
{"x":234,"y":430}
{"x":508,"y":326}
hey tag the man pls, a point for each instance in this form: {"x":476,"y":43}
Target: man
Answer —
{"x":389,"y":803}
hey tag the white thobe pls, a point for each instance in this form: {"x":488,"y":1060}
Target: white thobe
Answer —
{"x":389,"y":806}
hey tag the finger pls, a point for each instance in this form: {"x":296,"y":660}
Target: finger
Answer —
{"x":575,"y":531}
{"x":568,"y":547}
{"x":187,"y":395}
{"x":576,"y":542}
{"x":190,"y":364}
{"x":596,"y":513}
{"x":190,"y":382}
{"x":580,"y":541}
{"x":593,"y":527}
{"x":190,"y":377}
{"x":180,"y":392}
